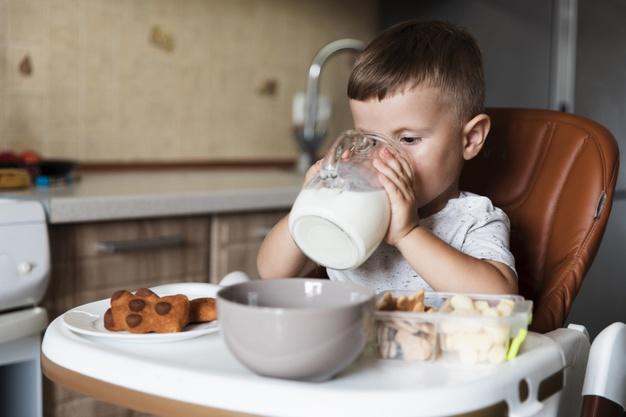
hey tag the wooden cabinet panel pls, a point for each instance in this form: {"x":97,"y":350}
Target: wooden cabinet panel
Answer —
{"x":235,"y":257}
{"x":81,"y":272}
{"x":69,"y":242}
{"x":235,"y":241}
{"x":244,"y":227}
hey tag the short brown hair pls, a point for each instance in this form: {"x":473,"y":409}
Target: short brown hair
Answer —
{"x":410,"y":53}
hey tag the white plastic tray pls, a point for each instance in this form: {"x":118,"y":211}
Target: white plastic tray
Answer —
{"x":203,"y":372}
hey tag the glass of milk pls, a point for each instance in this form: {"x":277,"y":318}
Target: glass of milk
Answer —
{"x":342,"y":214}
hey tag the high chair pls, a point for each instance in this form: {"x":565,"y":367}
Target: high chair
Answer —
{"x":604,"y":390}
{"x":554,"y":174}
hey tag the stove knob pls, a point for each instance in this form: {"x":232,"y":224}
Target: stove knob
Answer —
{"x":24,"y":268}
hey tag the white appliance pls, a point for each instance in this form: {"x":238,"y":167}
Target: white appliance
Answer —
{"x":24,"y":268}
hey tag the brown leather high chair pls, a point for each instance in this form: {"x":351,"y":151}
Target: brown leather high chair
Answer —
{"x":554,"y":174}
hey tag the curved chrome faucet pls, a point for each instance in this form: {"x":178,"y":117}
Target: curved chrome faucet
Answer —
{"x":309,"y":137}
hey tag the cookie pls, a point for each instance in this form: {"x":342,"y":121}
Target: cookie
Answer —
{"x":145,"y":312}
{"x":202,"y":309}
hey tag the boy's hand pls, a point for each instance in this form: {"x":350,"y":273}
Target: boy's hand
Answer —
{"x":312,"y":171}
{"x":396,"y":176}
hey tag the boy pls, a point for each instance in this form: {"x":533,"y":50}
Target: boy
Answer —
{"x":422,"y":84}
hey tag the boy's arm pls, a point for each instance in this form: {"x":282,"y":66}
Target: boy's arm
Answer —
{"x":453,"y":270}
{"x":442,"y":266}
{"x":279,"y":257}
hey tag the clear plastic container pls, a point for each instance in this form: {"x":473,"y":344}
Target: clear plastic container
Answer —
{"x":465,"y":328}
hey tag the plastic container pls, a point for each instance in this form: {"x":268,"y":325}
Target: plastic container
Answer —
{"x":342,"y":214}
{"x":479,"y":329}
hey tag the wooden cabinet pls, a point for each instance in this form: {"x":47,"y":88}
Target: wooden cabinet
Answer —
{"x":235,"y":241}
{"x":92,"y":260}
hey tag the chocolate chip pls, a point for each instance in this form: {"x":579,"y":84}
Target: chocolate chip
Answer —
{"x":136,"y":305}
{"x":108,"y":319}
{"x":163,"y":308}
{"x":133,"y":320}
{"x":144,"y":292}
{"x":117,"y":294}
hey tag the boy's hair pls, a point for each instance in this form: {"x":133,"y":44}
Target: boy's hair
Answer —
{"x":438,"y":54}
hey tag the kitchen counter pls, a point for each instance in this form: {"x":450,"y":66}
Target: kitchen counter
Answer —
{"x":129,"y":195}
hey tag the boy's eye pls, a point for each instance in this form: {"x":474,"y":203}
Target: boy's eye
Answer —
{"x":409,"y":140}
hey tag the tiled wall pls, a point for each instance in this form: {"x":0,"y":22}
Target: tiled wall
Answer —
{"x":101,"y":89}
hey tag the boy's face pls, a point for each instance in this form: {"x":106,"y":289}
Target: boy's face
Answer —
{"x":427,"y":127}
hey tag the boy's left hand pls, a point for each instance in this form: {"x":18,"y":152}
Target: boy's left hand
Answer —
{"x":396,"y":176}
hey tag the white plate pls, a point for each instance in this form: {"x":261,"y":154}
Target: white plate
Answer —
{"x":88,"y":318}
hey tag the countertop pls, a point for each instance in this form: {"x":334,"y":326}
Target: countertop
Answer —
{"x":128,"y":195}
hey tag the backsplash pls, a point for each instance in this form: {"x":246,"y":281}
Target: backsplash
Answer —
{"x":167,"y":80}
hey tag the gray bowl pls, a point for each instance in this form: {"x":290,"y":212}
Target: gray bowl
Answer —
{"x":296,"y":328}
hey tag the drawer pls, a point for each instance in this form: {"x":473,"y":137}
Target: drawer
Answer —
{"x":91,"y":261}
{"x":70,"y":242}
{"x":148,"y":267}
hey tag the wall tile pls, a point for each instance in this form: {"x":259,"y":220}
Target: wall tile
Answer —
{"x":26,"y":116}
{"x":102,"y":91}
{"x":3,"y":81}
{"x":64,"y":110}
{"x":66,"y":68}
{"x":23,"y":141}
{"x":4,"y":21}
{"x":16,"y":81}
{"x":64,"y":141}
{"x":28,"y":20}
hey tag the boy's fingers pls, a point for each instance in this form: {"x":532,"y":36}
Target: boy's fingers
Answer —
{"x":389,"y":186}
{"x":406,"y":182}
{"x":405,"y":167}
{"x":390,"y":175}
{"x":395,"y":197}
{"x":389,"y":172}
{"x":395,"y":165}
{"x":408,"y":170}
{"x":402,"y":167}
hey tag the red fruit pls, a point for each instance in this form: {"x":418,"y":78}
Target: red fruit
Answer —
{"x":30,"y":157}
{"x":9,"y":156}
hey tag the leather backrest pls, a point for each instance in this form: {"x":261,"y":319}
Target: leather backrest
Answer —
{"x":554,"y":174}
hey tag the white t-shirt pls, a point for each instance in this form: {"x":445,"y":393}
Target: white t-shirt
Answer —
{"x":469,"y":223}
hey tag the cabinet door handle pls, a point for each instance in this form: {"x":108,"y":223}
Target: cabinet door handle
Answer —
{"x":124,"y":246}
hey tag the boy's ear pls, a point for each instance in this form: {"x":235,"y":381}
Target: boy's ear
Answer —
{"x":474,"y":135}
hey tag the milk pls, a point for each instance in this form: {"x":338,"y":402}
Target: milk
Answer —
{"x":339,"y":229}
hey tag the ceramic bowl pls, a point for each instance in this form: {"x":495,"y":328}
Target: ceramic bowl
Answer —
{"x":296,"y":328}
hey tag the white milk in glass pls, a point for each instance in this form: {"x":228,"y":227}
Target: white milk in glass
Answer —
{"x":339,"y":229}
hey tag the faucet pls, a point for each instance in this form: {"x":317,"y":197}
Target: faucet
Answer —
{"x":309,"y":136}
